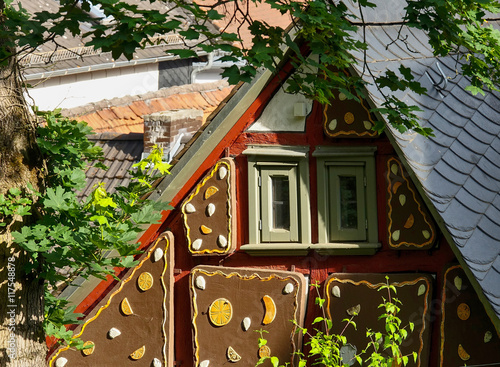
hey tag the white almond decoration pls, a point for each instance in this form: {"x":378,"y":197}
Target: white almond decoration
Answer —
{"x":367,"y":124}
{"x":157,"y":363}
{"x":200,"y":282}
{"x":222,"y":172}
{"x":114,"y":332}
{"x":426,"y":234}
{"x":333,"y":124}
{"x":421,"y":289}
{"x":458,"y":283}
{"x":205,"y":363}
{"x":336,"y":291}
{"x":196,"y":245}
{"x":190,"y":208}
{"x":158,"y":254}
{"x":246,"y":323}
{"x":396,"y":234}
{"x":61,"y":362}
{"x":222,"y":241}
{"x":402,"y":199}
{"x":210,"y":209}
{"x":288,"y":288}
{"x":394,"y":169}
{"x":488,"y":336}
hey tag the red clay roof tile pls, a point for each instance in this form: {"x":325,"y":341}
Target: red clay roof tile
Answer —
{"x":126,"y":118}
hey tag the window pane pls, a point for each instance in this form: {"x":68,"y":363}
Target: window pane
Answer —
{"x":281,"y":202}
{"x":348,"y":202}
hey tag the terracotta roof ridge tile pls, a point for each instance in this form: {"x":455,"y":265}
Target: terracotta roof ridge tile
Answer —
{"x":127,"y":100}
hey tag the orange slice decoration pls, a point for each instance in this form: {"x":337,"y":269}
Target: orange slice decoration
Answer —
{"x":145,"y":281}
{"x":396,"y":187}
{"x":464,"y":356}
{"x":125,"y":307}
{"x":88,"y":351}
{"x":463,"y":311}
{"x":220,"y":312}
{"x":264,"y":351}
{"x":210,"y":191}
{"x":270,"y":310}
{"x":349,"y":118}
{"x":139,"y":353}
{"x":409,"y":222}
{"x":205,"y":230}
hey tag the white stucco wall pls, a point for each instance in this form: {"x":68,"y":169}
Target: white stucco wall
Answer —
{"x":80,"y":89}
{"x":279,"y":114}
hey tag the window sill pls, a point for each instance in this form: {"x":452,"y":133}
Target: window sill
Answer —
{"x":302,"y":249}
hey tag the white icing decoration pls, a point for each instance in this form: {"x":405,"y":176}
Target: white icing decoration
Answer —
{"x":458,"y":283}
{"x":210,"y":209}
{"x":222,"y":172}
{"x":222,"y":241}
{"x":200,"y":282}
{"x":189,"y":208}
{"x":245,"y":324}
{"x":288,"y":288}
{"x":396,"y":234}
{"x":61,"y":362}
{"x":333,"y":124}
{"x":114,"y":332}
{"x":336,"y":291}
{"x":402,"y":199}
{"x":157,"y":363}
{"x":158,"y":254}
{"x":196,"y":245}
{"x":421,"y":289}
{"x":205,"y":363}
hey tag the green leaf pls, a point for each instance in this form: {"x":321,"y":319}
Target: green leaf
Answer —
{"x":128,"y":262}
{"x":318,"y":319}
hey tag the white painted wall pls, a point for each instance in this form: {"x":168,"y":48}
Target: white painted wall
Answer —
{"x":280,"y":115}
{"x":80,"y":89}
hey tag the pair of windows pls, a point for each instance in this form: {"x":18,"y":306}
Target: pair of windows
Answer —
{"x":279,"y":199}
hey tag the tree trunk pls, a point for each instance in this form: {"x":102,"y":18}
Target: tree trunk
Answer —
{"x":22,"y":341}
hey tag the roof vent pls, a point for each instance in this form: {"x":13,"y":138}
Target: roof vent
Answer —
{"x":442,"y":83}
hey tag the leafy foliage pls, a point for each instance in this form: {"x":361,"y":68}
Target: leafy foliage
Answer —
{"x":83,"y":238}
{"x":382,"y":350}
{"x":322,"y":41}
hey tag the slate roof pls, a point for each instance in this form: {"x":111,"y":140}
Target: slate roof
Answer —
{"x":459,"y":168}
{"x":125,"y":115}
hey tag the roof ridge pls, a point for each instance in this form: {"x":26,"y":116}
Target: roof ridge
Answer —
{"x":161,"y":93}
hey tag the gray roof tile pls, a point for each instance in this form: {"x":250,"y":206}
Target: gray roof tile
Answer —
{"x":480,"y":255}
{"x":475,"y":187}
{"x":490,"y":283}
{"x":460,"y":217}
{"x":121,"y":151}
